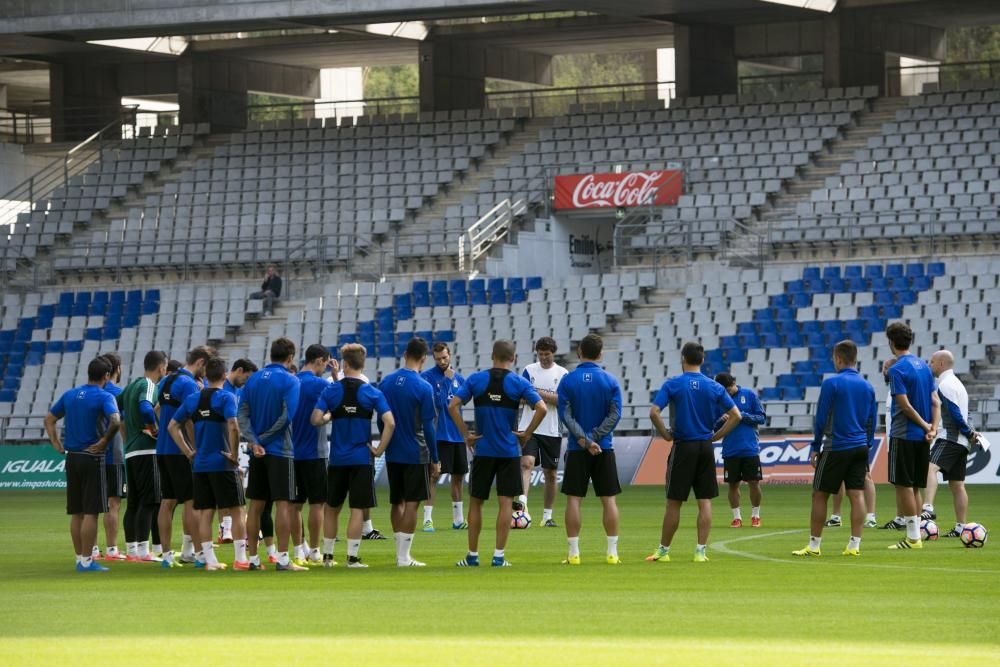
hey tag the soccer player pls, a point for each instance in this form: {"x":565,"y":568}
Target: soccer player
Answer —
{"x":138,"y":406}
{"x":451,"y":448}
{"x":214,"y":461}
{"x":114,"y":464}
{"x":741,"y":450}
{"x":590,"y":405}
{"x":350,"y":403}
{"x":368,"y":531}
{"x":835,"y":519}
{"x":237,"y":377}
{"x":312,"y":451}
{"x":92,"y":420}
{"x":175,"y":468}
{"x":697,"y":402}
{"x":412,"y":454}
{"x":544,"y":447}
{"x":916,"y":411}
{"x":497,"y":394}
{"x":846,"y":416}
{"x":270,"y":399}
{"x":952,"y":449}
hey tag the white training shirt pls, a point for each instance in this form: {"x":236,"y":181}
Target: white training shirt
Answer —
{"x":546,"y":379}
{"x":953,"y":397}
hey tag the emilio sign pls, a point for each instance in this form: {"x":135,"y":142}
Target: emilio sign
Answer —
{"x":637,"y":188}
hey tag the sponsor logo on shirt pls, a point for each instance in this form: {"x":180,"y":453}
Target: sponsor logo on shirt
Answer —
{"x":588,"y":377}
{"x":205,"y":413}
{"x":694,"y":385}
{"x":496,"y":398}
{"x":400,"y":381}
{"x":350,"y":409}
{"x":743,"y":400}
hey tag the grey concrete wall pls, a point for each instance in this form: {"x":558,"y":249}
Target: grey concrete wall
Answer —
{"x":16,"y":167}
{"x":779,"y":39}
{"x":84,"y":96}
{"x":705,"y":60}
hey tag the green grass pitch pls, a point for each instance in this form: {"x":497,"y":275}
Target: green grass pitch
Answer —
{"x":753,"y":604}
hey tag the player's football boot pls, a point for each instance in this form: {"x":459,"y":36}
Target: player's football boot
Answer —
{"x":736,"y":523}
{"x":907,"y":543}
{"x":213,"y":567}
{"x":851,"y":552}
{"x":301,"y":562}
{"x":257,"y":566}
{"x":700,"y":557}
{"x":806,"y":551}
{"x":500,"y":562}
{"x":954,"y":532}
{"x":428,"y":526}
{"x":660,"y":555}
{"x":199,"y":565}
{"x":291,"y":567}
{"x":549,"y":523}
{"x":894,"y":525}
{"x":833,"y":522}
{"x":170,"y":564}
{"x":461,"y":525}
{"x":273,"y":559}
{"x":93,"y":567}
{"x":613,"y":560}
{"x":328,"y":560}
{"x":871,"y":523}
{"x":241,"y":565}
{"x":572,"y":560}
{"x":412,"y":563}
{"x":115,"y":556}
{"x":755,"y":522}
{"x":517,"y":506}
{"x":374,"y":535}
{"x":187,"y":559}
{"x":354,"y":561}
{"x":928,"y":515}
{"x":468,"y":561}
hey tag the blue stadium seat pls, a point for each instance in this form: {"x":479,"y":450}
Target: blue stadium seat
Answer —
{"x":893,"y":270}
{"x":831,"y":272}
{"x":935,"y":269}
{"x":533,"y":282}
{"x":811,"y":273}
{"x":873,"y":271}
{"x":914,"y":270}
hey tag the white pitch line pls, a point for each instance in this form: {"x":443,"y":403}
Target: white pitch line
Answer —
{"x":722,"y":547}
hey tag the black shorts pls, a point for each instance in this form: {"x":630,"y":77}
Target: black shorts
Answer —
{"x":175,"y":477}
{"x":454,"y":457}
{"x":545,"y":450}
{"x":506,"y":472}
{"x":114,"y":474}
{"x":258,"y":468}
{"x":272,"y":478}
{"x":86,"y":488}
{"x":738,"y":469}
{"x":310,"y":481}
{"x":691,"y":465}
{"x":848,"y":467}
{"x":143,"y":480}
{"x":583,"y":468}
{"x":952,"y":458}
{"x":408,"y":482}
{"x":218,"y":490}
{"x":353,"y":483}
{"x":908,"y":462}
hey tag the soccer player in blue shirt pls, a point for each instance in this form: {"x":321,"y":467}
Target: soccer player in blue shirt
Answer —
{"x":92,"y":421}
{"x":216,"y":480}
{"x":696,"y":403}
{"x":451,"y":448}
{"x":237,"y":376}
{"x":497,"y":393}
{"x":114,"y":464}
{"x":915,"y":414}
{"x":175,"y":468}
{"x":590,"y":405}
{"x":270,"y":399}
{"x":741,"y":450}
{"x":350,"y":404}
{"x":412,"y":455}
{"x":846,"y":416}
{"x":312,"y":452}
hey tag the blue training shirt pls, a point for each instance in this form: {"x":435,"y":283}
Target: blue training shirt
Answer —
{"x":351,"y":427}
{"x":115,"y":454}
{"x":181,"y":386}
{"x":444,"y":390}
{"x":237,"y":392}
{"x":87,"y":409}
{"x":743,"y":440}
{"x":846,"y":414}
{"x":697,"y":401}
{"x":590,"y":405}
{"x":411,"y":399}
{"x":912,"y":377}
{"x":270,"y":399}
{"x":310,"y":443}
{"x":498,"y":393}
{"x":210,"y":428}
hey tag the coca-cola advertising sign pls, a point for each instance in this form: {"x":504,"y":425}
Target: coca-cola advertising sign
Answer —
{"x":636,"y":188}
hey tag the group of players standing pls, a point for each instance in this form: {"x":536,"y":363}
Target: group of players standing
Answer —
{"x":178,"y":434}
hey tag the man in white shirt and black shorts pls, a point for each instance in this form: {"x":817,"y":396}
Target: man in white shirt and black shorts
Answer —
{"x":544,"y":446}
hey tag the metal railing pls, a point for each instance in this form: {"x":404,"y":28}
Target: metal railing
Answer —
{"x":490,"y":229}
{"x":910,"y":80}
{"x":778,"y":84}
{"x":558,"y":101}
{"x":307,"y":110}
{"x":747,"y":245}
{"x":20,"y":127}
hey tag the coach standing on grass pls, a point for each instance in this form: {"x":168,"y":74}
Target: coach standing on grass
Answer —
{"x":92,"y":421}
{"x":845,"y":416}
{"x":696,"y":403}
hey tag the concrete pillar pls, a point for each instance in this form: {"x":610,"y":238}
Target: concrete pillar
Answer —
{"x":212,"y":90}
{"x":84,"y":97}
{"x":705,"y":60}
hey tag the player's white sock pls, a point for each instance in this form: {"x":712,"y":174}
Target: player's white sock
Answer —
{"x":457,"y":512}
{"x":157,"y":548}
{"x":912,"y":527}
{"x":209,"y":552}
{"x":574,"y":546}
{"x":699,"y":549}
{"x":406,"y":541}
{"x":959,"y":526}
{"x":928,"y":507}
{"x":870,"y":516}
{"x":300,"y":552}
{"x":546,"y":514}
{"x":835,"y":517}
{"x":227,"y":523}
{"x":131,"y":548}
{"x":755,"y":512}
{"x":428,"y":513}
{"x":272,"y":550}
{"x":142,"y":549}
{"x":737,"y":513}
{"x":168,"y":556}
{"x":79,"y":559}
{"x":854,"y":542}
{"x":665,"y":549}
{"x":366,"y":527}
{"x":397,"y":538}
{"x":283,"y":558}
{"x":240,"y":549}
{"x":255,"y":560}
{"x":315,"y":554}
{"x":612,"y":545}
{"x":95,"y":553}
{"x":86,"y":561}
{"x":188,"y":548}
{"x":899,"y":519}
{"x":498,"y":553}
{"x":474,"y":553}
{"x":328,"y":543}
{"x":200,"y":557}
{"x":353,"y":546}
{"x":113,"y":551}
{"x":814,"y":542}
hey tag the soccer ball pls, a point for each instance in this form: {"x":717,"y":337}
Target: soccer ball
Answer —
{"x":928,"y":530}
{"x":520,"y":520}
{"x":974,"y":535}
